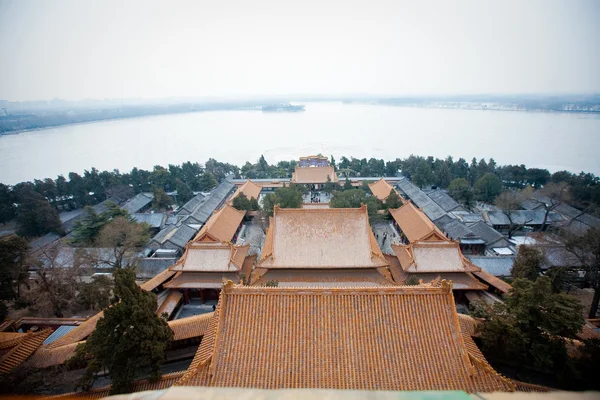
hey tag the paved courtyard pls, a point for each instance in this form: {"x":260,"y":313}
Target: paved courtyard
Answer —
{"x":386,"y":235}
{"x":195,"y":307}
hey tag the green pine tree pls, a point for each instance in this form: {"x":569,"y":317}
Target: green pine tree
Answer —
{"x":129,"y":339}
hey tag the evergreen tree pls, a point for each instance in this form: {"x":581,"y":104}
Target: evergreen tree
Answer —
{"x":531,"y":327}
{"x":86,"y":230}
{"x":13,"y":265}
{"x":461,"y":191}
{"x":528,"y":264}
{"x":128,"y":340}
{"x":161,"y":201}
{"x":35,"y":215}
{"x":488,"y":187}
{"x":7,"y":200}
{"x":347,"y":184}
{"x":393,"y":200}
{"x":254,"y":206}
{"x":241,"y":202}
{"x":207,"y":182}
{"x":184,"y":193}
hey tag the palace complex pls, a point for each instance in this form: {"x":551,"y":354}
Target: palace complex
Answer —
{"x":312,"y":297}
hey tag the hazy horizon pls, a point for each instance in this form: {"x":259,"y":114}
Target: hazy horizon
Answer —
{"x":78,"y":50}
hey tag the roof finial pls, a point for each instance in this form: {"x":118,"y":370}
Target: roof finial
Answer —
{"x":447,"y":285}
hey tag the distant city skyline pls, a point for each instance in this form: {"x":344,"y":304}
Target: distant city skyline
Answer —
{"x":77,"y":50}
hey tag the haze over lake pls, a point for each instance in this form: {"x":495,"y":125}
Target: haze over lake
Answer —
{"x":546,"y":140}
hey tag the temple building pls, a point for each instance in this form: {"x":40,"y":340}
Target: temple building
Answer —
{"x":414,"y":225}
{"x":321,"y":247}
{"x":381,"y":189}
{"x":209,"y":258}
{"x":314,"y":171}
{"x":340,"y":338}
{"x":250,"y":189}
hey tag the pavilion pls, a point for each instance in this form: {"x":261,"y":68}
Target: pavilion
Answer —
{"x":321,"y":247}
{"x":381,"y":189}
{"x":340,"y":338}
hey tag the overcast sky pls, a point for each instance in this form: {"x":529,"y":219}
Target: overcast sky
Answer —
{"x":123,"y":49}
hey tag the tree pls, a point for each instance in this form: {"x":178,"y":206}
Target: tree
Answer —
{"x":86,"y":230}
{"x":129,"y":339}
{"x":528,"y":264}
{"x":124,"y":238}
{"x":460,"y":190}
{"x":285,"y":197}
{"x":488,"y":187}
{"x":35,"y":215}
{"x":551,"y":196}
{"x":241,"y":202}
{"x":508,"y":201}
{"x":54,"y":284}
{"x":354,"y":198}
{"x":96,"y":294}
{"x":161,"y":201}
{"x":254,"y":206}
{"x":531,"y":327}
{"x":7,"y":201}
{"x":207,"y":182}
{"x":13,"y":265}
{"x":586,"y":248}
{"x":393,"y":200}
{"x":423,"y":175}
{"x":348,"y":184}
{"x":184,"y":193}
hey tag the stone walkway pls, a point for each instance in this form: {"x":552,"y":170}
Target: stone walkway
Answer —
{"x":386,"y":229}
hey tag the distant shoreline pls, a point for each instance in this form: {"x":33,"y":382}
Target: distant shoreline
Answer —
{"x":455,"y":105}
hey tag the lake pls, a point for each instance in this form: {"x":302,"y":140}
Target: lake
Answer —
{"x":546,"y":140}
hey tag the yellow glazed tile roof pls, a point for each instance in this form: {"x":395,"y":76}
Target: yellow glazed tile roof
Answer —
{"x":385,"y":338}
{"x":381,"y":189}
{"x":320,"y":238}
{"x":415,"y":224}
{"x":314,"y":174}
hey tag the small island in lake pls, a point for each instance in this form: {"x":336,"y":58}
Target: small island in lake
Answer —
{"x":285,"y":107}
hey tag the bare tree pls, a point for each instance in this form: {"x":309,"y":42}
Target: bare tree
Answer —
{"x":509,"y":201}
{"x":121,"y":238}
{"x":551,"y":196}
{"x":586,"y":249}
{"x":53,"y":287}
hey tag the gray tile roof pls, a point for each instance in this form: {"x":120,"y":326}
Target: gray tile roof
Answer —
{"x":155,"y":220}
{"x":523,"y":217}
{"x":457,"y":230}
{"x":205,"y":209}
{"x":178,"y":236}
{"x":43,"y":241}
{"x":444,"y":200}
{"x":99,"y":208}
{"x":192,"y":204}
{"x":497,"y":266}
{"x":149,"y":267}
{"x":138,"y":202}
{"x":429,"y":207}
{"x":468,"y":217}
{"x":489,"y":235}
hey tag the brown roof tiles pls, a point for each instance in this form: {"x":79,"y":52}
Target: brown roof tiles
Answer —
{"x":414,"y":223}
{"x":320,"y":238}
{"x":381,"y":189}
{"x":221,"y":226}
{"x":314,"y":174}
{"x":386,"y":338}
{"x":249,"y":188}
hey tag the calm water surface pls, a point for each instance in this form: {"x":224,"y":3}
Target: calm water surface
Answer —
{"x":545,"y":140}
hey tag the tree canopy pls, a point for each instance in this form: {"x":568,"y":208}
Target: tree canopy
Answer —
{"x":161,"y":201}
{"x":528,"y":264}
{"x":13,"y":265}
{"x":35,"y":215}
{"x":393,"y":200}
{"x":129,"y":339}
{"x":286,"y":197}
{"x":86,"y":230}
{"x":242,"y":202}
{"x":488,"y":187}
{"x":461,"y":191}
{"x":531,"y":327}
